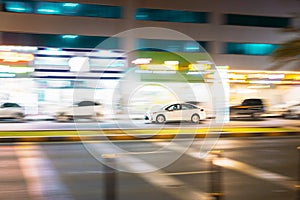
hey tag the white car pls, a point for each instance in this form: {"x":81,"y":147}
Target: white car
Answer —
{"x":82,"y":110}
{"x":292,"y":111}
{"x":277,"y":110}
{"x":176,"y":112}
{"x":11,"y":111}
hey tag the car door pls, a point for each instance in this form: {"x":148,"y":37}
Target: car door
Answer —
{"x":187,"y":111}
{"x":173,"y":112}
{"x":84,"y":109}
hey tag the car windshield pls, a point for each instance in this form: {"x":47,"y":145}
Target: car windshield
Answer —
{"x":164,"y":106}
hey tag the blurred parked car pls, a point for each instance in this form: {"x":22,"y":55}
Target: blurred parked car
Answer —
{"x":176,"y":112}
{"x":82,"y":110}
{"x":277,"y":110}
{"x":280,"y":110}
{"x":253,"y":108}
{"x":292,"y":111}
{"x":11,"y":111}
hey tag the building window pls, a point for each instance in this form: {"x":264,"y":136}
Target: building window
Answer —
{"x":64,"y":41}
{"x":260,"y":21}
{"x":170,"y":15}
{"x":61,"y":8}
{"x":250,"y":48}
{"x":170,"y":45}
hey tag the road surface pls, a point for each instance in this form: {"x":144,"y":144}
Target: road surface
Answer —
{"x":252,"y":168}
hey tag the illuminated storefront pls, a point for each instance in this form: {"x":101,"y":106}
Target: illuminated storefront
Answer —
{"x":43,"y":79}
{"x":275,"y":87}
{"x":68,"y":76}
{"x":15,"y":84}
{"x":174,"y":76}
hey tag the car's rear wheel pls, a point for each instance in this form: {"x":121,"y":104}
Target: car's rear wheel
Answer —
{"x":160,"y":119}
{"x":19,"y":116}
{"x":195,"y":118}
{"x":62,"y":118}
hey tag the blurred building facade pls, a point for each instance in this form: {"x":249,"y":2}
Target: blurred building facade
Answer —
{"x":238,"y":34}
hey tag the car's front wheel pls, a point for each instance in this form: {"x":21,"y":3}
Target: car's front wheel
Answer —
{"x":195,"y":118}
{"x":160,"y":119}
{"x":98,"y":117}
{"x":255,"y":115}
{"x":19,"y":117}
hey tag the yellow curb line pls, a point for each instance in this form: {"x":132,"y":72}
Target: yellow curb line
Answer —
{"x":131,"y":134}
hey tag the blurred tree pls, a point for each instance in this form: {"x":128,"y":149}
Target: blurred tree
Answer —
{"x":289,"y":51}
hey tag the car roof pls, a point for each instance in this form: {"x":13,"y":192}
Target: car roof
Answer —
{"x":169,"y":104}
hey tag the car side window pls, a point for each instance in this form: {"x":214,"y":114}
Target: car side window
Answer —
{"x":177,"y":107}
{"x":170,"y":108}
{"x":174,"y":107}
{"x":10,"y":105}
{"x":188,"y":107}
{"x":184,"y":107}
{"x":88,"y":103}
{"x":252,"y":102}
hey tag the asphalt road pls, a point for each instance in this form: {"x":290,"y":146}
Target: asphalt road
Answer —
{"x":252,"y":168}
{"x":138,"y":124}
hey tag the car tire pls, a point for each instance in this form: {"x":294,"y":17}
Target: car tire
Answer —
{"x":288,"y":114}
{"x":160,"y":119}
{"x":62,"y":118}
{"x":255,"y":116}
{"x":98,"y":117}
{"x":195,"y":118}
{"x":19,"y":116}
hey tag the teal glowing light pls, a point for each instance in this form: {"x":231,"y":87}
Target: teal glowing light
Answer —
{"x":251,"y":48}
{"x":69,"y":36}
{"x":192,"y":48}
{"x":70,"y":4}
{"x":259,"y":49}
{"x":47,"y":11}
{"x":17,"y":7}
